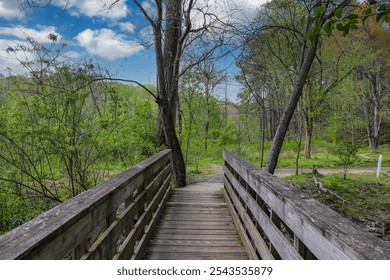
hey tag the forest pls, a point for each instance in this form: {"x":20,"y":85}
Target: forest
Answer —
{"x":67,"y":125}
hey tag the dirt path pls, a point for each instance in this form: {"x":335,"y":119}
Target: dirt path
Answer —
{"x":326,"y":171}
{"x":214,"y":173}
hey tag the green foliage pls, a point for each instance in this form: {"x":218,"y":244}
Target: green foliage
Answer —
{"x":59,"y":137}
{"x":364,"y":195}
{"x":346,"y":151}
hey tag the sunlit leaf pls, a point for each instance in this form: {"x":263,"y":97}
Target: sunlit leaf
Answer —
{"x":339,"y":12}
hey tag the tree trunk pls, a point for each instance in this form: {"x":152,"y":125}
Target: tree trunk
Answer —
{"x":178,"y":165}
{"x":376,"y":113}
{"x":309,"y":120}
{"x":289,"y":110}
{"x":167,"y":64}
{"x":160,"y":137}
{"x":298,"y":154}
{"x":308,"y":138}
{"x":263,"y":125}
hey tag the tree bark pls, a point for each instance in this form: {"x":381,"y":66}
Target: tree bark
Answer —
{"x":289,"y":110}
{"x":308,"y":136}
{"x":178,"y":165}
{"x":375,"y":92}
{"x":168,"y":54}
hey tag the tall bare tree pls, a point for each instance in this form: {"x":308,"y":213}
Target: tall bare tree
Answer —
{"x":173,"y":31}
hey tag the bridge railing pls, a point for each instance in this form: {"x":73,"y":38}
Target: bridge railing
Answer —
{"x":277,"y":221}
{"x":113,"y":220}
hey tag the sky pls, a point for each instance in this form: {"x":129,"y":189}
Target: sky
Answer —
{"x":113,"y":38}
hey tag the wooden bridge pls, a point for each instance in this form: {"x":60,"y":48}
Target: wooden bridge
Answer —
{"x":137,"y":215}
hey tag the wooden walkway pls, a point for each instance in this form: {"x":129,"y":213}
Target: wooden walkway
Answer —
{"x":196,"y":224}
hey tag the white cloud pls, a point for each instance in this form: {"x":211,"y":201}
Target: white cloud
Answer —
{"x":41,"y":35}
{"x":127,"y":27}
{"x":108,"y":44}
{"x":94,"y":8}
{"x":10,"y":61}
{"x":255,"y":3}
{"x":10,"y":9}
{"x":230,"y":11}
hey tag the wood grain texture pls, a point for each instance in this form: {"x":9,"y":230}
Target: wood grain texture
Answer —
{"x":324,"y":232}
{"x":196,"y":225}
{"x":68,"y":228}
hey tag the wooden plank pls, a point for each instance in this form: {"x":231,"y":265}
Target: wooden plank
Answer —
{"x":195,"y":249}
{"x":326,"y":233}
{"x":178,"y":223}
{"x":99,"y":249}
{"x":157,"y":182}
{"x":249,"y":227}
{"x":105,"y":246}
{"x":53,"y":234}
{"x":196,"y":205}
{"x":196,"y":218}
{"x":195,"y":236}
{"x":180,"y":242}
{"x":195,"y":256}
{"x":241,"y":230}
{"x":166,"y":190}
{"x":190,"y":232}
{"x":126,"y":250}
{"x":205,"y":211}
{"x":277,"y":239}
{"x":196,"y":227}
{"x":190,"y":227}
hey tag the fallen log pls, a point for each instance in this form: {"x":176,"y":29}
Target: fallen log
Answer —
{"x":323,"y":189}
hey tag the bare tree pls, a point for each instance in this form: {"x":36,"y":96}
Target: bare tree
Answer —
{"x":173,"y":32}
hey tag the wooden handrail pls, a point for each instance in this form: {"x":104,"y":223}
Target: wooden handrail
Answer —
{"x":113,"y":220}
{"x":277,"y":221}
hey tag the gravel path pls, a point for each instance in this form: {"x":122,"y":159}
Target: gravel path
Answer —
{"x":326,"y":171}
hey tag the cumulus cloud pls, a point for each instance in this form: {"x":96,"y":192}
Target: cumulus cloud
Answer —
{"x":226,"y":10}
{"x":10,"y":9}
{"x":41,"y":35}
{"x":127,"y":27}
{"x":94,"y":8}
{"x":10,"y":61}
{"x":107,"y":44}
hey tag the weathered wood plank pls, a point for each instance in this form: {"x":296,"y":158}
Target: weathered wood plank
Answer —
{"x":194,"y":249}
{"x":282,"y":245}
{"x":196,"y":205}
{"x":203,"y":218}
{"x":57,"y":232}
{"x":196,"y":227}
{"x":250,"y":228}
{"x":180,"y":242}
{"x":126,"y":250}
{"x":195,"y":236}
{"x":326,"y":233}
{"x":241,"y":230}
{"x":188,"y":231}
{"x":99,"y":249}
{"x":195,"y":256}
{"x":166,"y":190}
{"x":198,"y":211}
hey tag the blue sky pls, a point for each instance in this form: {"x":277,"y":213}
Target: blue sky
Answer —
{"x":112,"y":37}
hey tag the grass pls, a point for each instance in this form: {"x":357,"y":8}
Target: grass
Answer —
{"x":321,"y":156}
{"x":364,"y":196}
